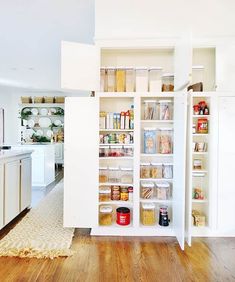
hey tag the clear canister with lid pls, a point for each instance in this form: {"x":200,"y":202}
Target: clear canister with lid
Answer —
{"x":141,"y":81}
{"x":104,"y":194}
{"x":150,"y":140}
{"x":150,"y":109}
{"x":168,"y":82}
{"x":148,"y":214}
{"x":128,"y":150}
{"x":167,"y":170}
{"x":103,"y":174}
{"x":120,"y":79}
{"x":105,"y":215}
{"x":130,"y":79}
{"x":111,"y":81}
{"x":114,"y":176}
{"x":163,"y":191}
{"x":155,"y":79}
{"x":147,"y":190}
{"x":126,"y":175}
{"x":103,"y":80}
{"x":156,"y":170}
{"x":145,"y":170}
{"x":103,"y":151}
{"x":165,"y":110}
{"x":165,"y":143}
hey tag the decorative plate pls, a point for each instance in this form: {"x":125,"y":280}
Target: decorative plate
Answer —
{"x":57,"y":122}
{"x":39,"y":132}
{"x":34,"y":111}
{"x":31,"y":123}
{"x":25,"y":110}
{"x":43,"y":112}
{"x":29,"y":133}
{"x":44,"y":122}
{"x":53,"y":111}
{"x":49,"y":133}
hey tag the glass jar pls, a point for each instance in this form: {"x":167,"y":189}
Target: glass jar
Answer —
{"x":103,"y":175}
{"x":165,"y":110}
{"x":104,"y":194}
{"x":156,"y":170}
{"x":141,"y":82}
{"x":150,"y":110}
{"x":155,"y":79}
{"x":126,"y":175}
{"x":148,"y":214}
{"x":163,"y":191}
{"x":105,"y":215}
{"x":167,"y":171}
{"x":110,"y":79}
{"x":150,"y":140}
{"x":115,"y":193}
{"x":128,"y":151}
{"x":124,"y":196}
{"x":165,"y":141}
{"x":145,"y":170}
{"x":114,"y":175}
{"x":168,"y":82}
{"x":130,"y":79}
{"x":120,"y":79}
{"x":103,"y":80}
{"x":147,"y":190}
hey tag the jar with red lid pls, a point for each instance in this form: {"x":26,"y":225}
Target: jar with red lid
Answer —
{"x":123,"y":216}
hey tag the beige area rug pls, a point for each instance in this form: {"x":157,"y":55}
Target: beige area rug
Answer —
{"x":40,"y":233}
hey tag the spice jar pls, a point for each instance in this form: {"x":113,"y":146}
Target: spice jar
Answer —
{"x":145,"y":171}
{"x":165,"y":141}
{"x":168,"y":82}
{"x":126,"y":175}
{"x":150,"y":140}
{"x":202,"y":125}
{"x":130,"y":193}
{"x":120,"y":79}
{"x":163,"y":191}
{"x":130,"y":79}
{"x":111,"y":79}
{"x":124,"y":194}
{"x":105,"y":215}
{"x":197,"y":164}
{"x":156,"y":170}
{"x":115,"y":193}
{"x":103,"y":80}
{"x":167,"y":170}
{"x":165,"y":110}
{"x":148,"y":214}
{"x":114,"y":175}
{"x":150,"y":110}
{"x":155,"y":79}
{"x":147,"y":190}
{"x":104,"y":194}
{"x":123,"y":216}
{"x":141,"y":83}
{"x":103,"y":174}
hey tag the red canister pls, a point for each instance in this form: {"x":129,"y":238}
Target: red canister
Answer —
{"x":123,"y":216}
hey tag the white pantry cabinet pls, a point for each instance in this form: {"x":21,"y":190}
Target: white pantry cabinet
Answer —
{"x":25,"y":183}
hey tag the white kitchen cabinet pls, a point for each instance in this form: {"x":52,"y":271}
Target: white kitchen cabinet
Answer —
{"x":59,"y":153}
{"x":25,"y":183}
{"x":1,"y":195}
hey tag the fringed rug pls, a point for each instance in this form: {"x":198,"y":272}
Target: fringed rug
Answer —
{"x":40,"y":233}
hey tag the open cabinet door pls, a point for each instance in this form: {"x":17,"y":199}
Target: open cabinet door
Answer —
{"x":79,"y":66}
{"x":81,"y":161}
{"x":180,"y":117}
{"x":183,"y":63}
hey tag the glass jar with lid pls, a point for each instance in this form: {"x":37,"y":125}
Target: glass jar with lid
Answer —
{"x":168,"y":82}
{"x":105,"y":215}
{"x":156,"y":170}
{"x":103,"y":80}
{"x":120,"y":79}
{"x":163,"y":191}
{"x":104,"y":194}
{"x":148,"y":214}
{"x":165,"y":110}
{"x":130,"y":79}
{"x":165,"y":141}
{"x":141,"y":82}
{"x":145,"y":171}
{"x":126,"y":175}
{"x":114,"y":175}
{"x":150,"y":140}
{"x":103,"y":174}
{"x":155,"y":79}
{"x":111,"y":81}
{"x":147,"y":190}
{"x":150,"y":110}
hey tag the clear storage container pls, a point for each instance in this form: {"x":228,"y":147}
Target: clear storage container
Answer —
{"x":130,"y":79}
{"x":103,"y":80}
{"x":148,"y":214}
{"x":104,"y":194}
{"x":103,"y":151}
{"x":111,"y":79}
{"x":128,"y":150}
{"x":126,"y":175}
{"x":105,"y":215}
{"x":165,"y":110}
{"x":167,"y":171}
{"x":168,"y":82}
{"x":145,"y":171}
{"x":165,"y":141}
{"x":163,"y":191}
{"x":114,"y":174}
{"x":155,"y":79}
{"x":120,"y":79}
{"x":103,"y":174}
{"x":150,"y":140}
{"x":141,"y":83}
{"x":150,"y":110}
{"x":147,"y":190}
{"x":116,"y":151}
{"x":156,"y":170}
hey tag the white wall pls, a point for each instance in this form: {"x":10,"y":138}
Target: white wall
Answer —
{"x":138,"y":18}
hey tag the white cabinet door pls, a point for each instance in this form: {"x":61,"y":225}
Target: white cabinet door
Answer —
{"x":26,"y":184}
{"x":226,"y":165}
{"x":180,"y":117}
{"x":79,"y":66}
{"x":1,"y":194}
{"x":81,"y":160}
{"x":12,"y":190}
{"x":59,"y":153}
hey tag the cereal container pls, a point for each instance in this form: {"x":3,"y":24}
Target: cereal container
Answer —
{"x":145,"y":171}
{"x":110,"y":79}
{"x":120,"y":79}
{"x":165,"y":110}
{"x":163,"y":191}
{"x":150,"y":140}
{"x":147,"y":190}
{"x":150,"y":110}
{"x":167,"y":170}
{"x":148,"y":214}
{"x":105,"y":215}
{"x":165,"y":144}
{"x":130,"y":79}
{"x":103,"y":175}
{"x":156,"y":170}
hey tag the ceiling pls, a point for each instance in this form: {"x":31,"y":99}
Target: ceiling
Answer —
{"x":30,"y":36}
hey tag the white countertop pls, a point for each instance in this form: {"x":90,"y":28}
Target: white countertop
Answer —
{"x":5,"y":154}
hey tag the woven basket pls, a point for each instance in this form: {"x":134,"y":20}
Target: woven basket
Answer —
{"x":38,"y":100}
{"x":26,"y":100}
{"x":59,"y":100}
{"x":49,"y":100}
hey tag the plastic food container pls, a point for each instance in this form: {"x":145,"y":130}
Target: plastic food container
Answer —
{"x":156,"y":170}
{"x":103,"y":151}
{"x":105,"y":215}
{"x":126,"y":175}
{"x":116,"y":151}
{"x":103,"y":80}
{"x":165,"y":110}
{"x":128,"y":150}
{"x":145,"y":171}
{"x":110,"y":79}
{"x":150,"y":110}
{"x":130,"y":79}
{"x":163,"y":191}
{"x":197,"y":164}
{"x":141,"y":83}
{"x":150,"y":140}
{"x":147,"y":190}
{"x":104,"y":194}
{"x":148,"y":214}
{"x":168,"y":82}
{"x":120,"y":79}
{"x":115,"y":193}
{"x":114,"y":175}
{"x":103,"y":175}
{"x":165,"y":141}
{"x":123,"y":216}
{"x":155,"y":79}
{"x":167,"y":171}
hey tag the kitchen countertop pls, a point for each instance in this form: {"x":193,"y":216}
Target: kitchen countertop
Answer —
{"x":5,"y":154}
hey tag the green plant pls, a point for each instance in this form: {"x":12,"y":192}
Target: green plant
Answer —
{"x":37,"y":138}
{"x":24,"y":114}
{"x":59,"y":112}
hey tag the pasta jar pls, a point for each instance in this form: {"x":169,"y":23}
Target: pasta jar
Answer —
{"x":123,"y":216}
{"x":148,"y":214}
{"x":126,"y":175}
{"x":155,"y":79}
{"x":115,"y":193}
{"x":147,"y":190}
{"x":111,"y":79}
{"x":103,"y":80}
{"x":165,"y":110}
{"x":103,"y":175}
{"x":130,"y":79}
{"x":145,"y":170}
{"x":114,"y":175}
{"x":141,"y":82}
{"x":168,"y":82}
{"x":156,"y":170}
{"x":104,"y":194}
{"x":165,"y":141}
{"x":150,"y":140}
{"x":124,"y":196}
{"x":167,"y":170}
{"x":120,"y":79}
{"x":163,"y":191}
{"x":150,"y":110}
{"x":105,"y":215}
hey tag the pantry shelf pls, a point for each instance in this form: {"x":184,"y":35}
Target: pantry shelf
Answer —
{"x":157,"y":121}
{"x":116,"y":130}
{"x":116,"y":158}
{"x":117,"y":144}
{"x":199,"y":171}
{"x":118,"y":203}
{"x":200,"y":153}
{"x":157,"y":155}
{"x":115,"y":184}
{"x":155,"y":201}
{"x":201,"y":116}
{"x":199,"y":201}
{"x":156,"y":179}
{"x":200,"y":134}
